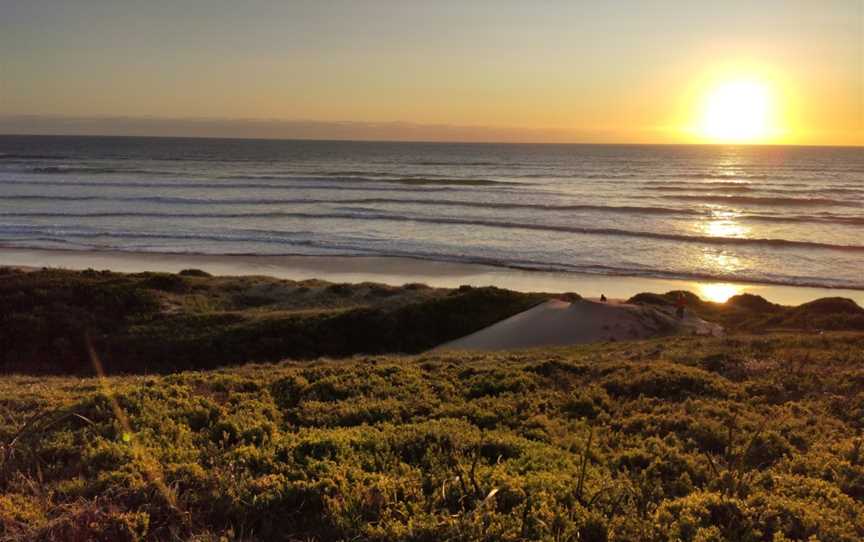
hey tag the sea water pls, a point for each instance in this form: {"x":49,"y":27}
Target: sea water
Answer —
{"x":773,"y":214}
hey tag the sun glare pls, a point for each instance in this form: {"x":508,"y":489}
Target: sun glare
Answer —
{"x":718,"y":292}
{"x":738,"y":112}
{"x":724,"y":228}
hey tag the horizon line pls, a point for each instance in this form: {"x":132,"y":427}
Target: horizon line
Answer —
{"x":390,"y":131}
{"x":440,"y":142}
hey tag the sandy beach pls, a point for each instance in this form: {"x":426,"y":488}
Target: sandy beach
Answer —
{"x":398,"y":271}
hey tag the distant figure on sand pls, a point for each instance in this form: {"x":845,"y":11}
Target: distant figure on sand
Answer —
{"x":680,"y":304}
{"x":603,"y":298}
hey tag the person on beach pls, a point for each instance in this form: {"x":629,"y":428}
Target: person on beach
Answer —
{"x":603,"y":298}
{"x":680,"y":305}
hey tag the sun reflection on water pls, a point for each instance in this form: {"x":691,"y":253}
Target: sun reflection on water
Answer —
{"x":721,"y":261}
{"x":724,"y":228}
{"x":723,"y":223}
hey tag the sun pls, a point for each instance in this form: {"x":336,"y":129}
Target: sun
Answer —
{"x":718,"y":292}
{"x":738,"y":112}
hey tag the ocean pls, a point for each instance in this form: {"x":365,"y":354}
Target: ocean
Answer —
{"x":759,"y":214}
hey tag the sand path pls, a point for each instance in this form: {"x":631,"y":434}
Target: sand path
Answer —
{"x":558,"y":323}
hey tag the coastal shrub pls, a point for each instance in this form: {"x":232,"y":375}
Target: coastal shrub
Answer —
{"x":341,"y":289}
{"x":51,"y":320}
{"x":558,"y":369}
{"x":766,"y":449}
{"x":800,"y":508}
{"x":381,"y":290}
{"x":704,"y":517}
{"x":585,"y":443}
{"x":726,"y":365}
{"x":246,"y":300}
{"x":588,"y":402}
{"x":570,"y":297}
{"x":161,"y":322}
{"x":752,"y":302}
{"x":666,"y":381}
{"x":416,"y":286}
{"x":99,"y":525}
{"x":194,"y":273}
{"x":646,"y":298}
{"x":20,"y":514}
{"x":493,"y":383}
{"x":165,"y":281}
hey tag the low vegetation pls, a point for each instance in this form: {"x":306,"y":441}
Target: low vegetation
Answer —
{"x":54,"y":321}
{"x":752,"y":313}
{"x":756,"y":436}
{"x":693,"y":439}
{"x":161,"y":322}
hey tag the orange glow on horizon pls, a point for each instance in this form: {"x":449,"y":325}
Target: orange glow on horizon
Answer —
{"x":673,"y":72}
{"x":741,"y":102}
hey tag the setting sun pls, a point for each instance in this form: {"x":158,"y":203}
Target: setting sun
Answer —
{"x":738,"y":111}
{"x":718,"y":292}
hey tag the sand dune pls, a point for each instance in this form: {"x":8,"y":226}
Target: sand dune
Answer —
{"x":558,"y":323}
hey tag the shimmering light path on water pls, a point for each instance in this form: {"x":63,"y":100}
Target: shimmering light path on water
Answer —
{"x":713,"y":214}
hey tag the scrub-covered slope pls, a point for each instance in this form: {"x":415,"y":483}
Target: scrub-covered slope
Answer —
{"x":161,"y":322}
{"x":670,"y":439}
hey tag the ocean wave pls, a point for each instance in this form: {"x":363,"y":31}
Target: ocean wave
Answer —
{"x":179,"y":200}
{"x":726,"y":187}
{"x":627,"y":209}
{"x":397,"y":201}
{"x":771,"y":201}
{"x":387,"y":217}
{"x":460,"y":164}
{"x":342,"y":177}
{"x":362,"y":173}
{"x":358,"y":176}
{"x":384,"y":180}
{"x":652,"y":176}
{"x":816,"y":218}
{"x":824,"y":218}
{"x":264,"y":237}
{"x":743,"y":187}
{"x":65,"y":170}
{"x":725,"y":176}
{"x":232,"y":186}
{"x":720,"y":179}
{"x":13,"y":156}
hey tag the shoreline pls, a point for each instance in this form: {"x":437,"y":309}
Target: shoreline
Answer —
{"x":396,"y":270}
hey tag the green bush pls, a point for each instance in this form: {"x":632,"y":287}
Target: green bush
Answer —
{"x":51,"y":321}
{"x":579,"y":444}
{"x":686,"y":438}
{"x":666,"y":381}
{"x":194,"y":273}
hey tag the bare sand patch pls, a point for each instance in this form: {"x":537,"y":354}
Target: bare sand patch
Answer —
{"x":559,"y":323}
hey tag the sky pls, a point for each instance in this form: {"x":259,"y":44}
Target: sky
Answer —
{"x":609,"y":71}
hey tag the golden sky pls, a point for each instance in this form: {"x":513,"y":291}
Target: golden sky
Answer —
{"x":614,"y":71}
